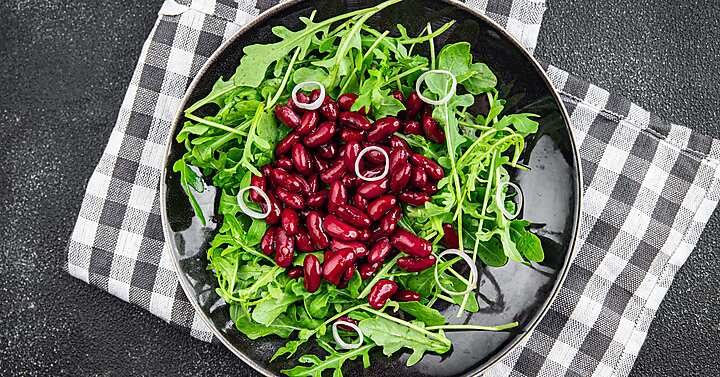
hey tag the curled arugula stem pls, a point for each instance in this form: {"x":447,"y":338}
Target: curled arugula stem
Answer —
{"x":440,"y":338}
{"x":215,"y":125}
{"x":503,"y":327}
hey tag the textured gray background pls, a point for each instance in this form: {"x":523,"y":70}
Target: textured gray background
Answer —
{"x":63,"y":72}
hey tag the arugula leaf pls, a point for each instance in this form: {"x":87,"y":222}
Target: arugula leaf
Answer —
{"x":522,"y":123}
{"x":527,"y":242}
{"x":482,"y":80}
{"x":268,"y":310}
{"x":333,"y":361}
{"x":429,"y":316}
{"x":393,"y":336}
{"x":254,"y":330}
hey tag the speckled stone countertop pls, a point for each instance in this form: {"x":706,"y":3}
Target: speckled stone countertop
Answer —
{"x":64,"y":67}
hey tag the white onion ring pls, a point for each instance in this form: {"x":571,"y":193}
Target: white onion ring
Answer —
{"x":501,"y":205}
{"x":445,"y":99}
{"x":248,"y":211}
{"x":305,"y":85}
{"x":341,"y":342}
{"x":468,"y":260}
{"x":359,"y":158}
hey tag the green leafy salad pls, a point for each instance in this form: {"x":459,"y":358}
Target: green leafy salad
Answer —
{"x":359,"y":189}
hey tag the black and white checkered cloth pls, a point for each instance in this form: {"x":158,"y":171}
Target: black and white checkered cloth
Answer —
{"x":650,"y":188}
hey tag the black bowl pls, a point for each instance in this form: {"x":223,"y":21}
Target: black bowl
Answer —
{"x":552,"y":193}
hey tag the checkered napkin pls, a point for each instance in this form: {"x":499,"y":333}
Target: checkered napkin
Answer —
{"x":650,"y":187}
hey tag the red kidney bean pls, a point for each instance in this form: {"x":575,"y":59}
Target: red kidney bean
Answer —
{"x":376,"y":235}
{"x":398,"y":95}
{"x":410,"y":243}
{"x":320,"y":135}
{"x":374,"y":172}
{"x":329,"y":109}
{"x":303,"y":241}
{"x":336,"y":228}
{"x":327,"y":254}
{"x":383,"y":128}
{"x":266,"y":170}
{"x":352,"y":150}
{"x":450,"y":238}
{"x":374,"y":156}
{"x":286,"y":115}
{"x":313,"y":181}
{"x":379,"y":251}
{"x":301,"y":159}
{"x":346,"y":319}
{"x":400,"y":176}
{"x":418,"y":177}
{"x":388,"y":223}
{"x":302,"y":98}
{"x":397,"y":156}
{"x":359,"y":248}
{"x":346,"y":102}
{"x":349,"y":272}
{"x":363,"y":235}
{"x":305,"y":186}
{"x":311,"y":271}
{"x":335,"y":266}
{"x":414,"y":105}
{"x":353,"y":215}
{"x":431,"y":189}
{"x":368,"y":269}
{"x":275,"y":210}
{"x":381,"y":292}
{"x":320,"y":164}
{"x":314,"y":95}
{"x":284,"y":248}
{"x":267,"y":244}
{"x":284,"y":163}
{"x":406,"y":296}
{"x":295,"y":272}
{"x":348,"y":134}
{"x":286,"y":144}
{"x":327,"y":151}
{"x":350,"y":181}
{"x":396,"y":142}
{"x":359,"y":201}
{"x":432,"y":129}
{"x":290,"y":221}
{"x":334,"y":172}
{"x":431,"y":167}
{"x":291,"y":199}
{"x":354,"y":120}
{"x":369,"y":190}
{"x":282,"y":179}
{"x":308,"y":122}
{"x":314,"y":224}
{"x":412,"y":127}
{"x":380,"y":206}
{"x":317,"y":199}
{"x":414,"y":198}
{"x":415,"y":264}
{"x":338,"y":196}
{"x":261,"y":183}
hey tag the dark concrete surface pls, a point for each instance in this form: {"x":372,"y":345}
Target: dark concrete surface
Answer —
{"x":64,"y":66}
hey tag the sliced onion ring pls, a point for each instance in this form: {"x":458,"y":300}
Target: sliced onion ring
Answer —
{"x":248,"y":211}
{"x":362,"y":154}
{"x":443,"y":100}
{"x":340,"y":342}
{"x":501,"y":205}
{"x":468,"y":260}
{"x":307,"y":85}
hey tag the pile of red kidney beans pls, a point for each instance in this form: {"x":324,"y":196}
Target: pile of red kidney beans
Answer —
{"x":319,"y":203}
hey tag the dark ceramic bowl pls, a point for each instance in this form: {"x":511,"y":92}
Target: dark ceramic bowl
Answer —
{"x":552,"y":194}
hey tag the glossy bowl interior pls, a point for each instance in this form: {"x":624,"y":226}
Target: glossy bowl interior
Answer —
{"x":552,"y":194}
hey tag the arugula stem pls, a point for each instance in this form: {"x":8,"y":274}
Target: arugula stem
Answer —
{"x":432,"y":46}
{"x":430,"y":36}
{"x":214,"y":124}
{"x":446,"y":298}
{"x":275,"y":98}
{"x":475,"y":327}
{"x":383,"y":272}
{"x":410,"y":325}
{"x":401,"y":75}
{"x":412,"y":45}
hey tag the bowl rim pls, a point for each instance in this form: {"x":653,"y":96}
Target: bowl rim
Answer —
{"x":578,"y":183}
